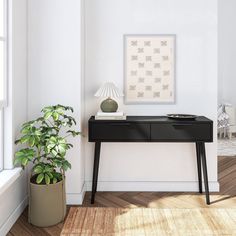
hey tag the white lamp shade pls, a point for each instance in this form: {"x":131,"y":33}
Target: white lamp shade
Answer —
{"x":109,"y":90}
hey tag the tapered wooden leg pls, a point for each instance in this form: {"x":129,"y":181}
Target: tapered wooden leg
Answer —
{"x":205,"y":176}
{"x":199,"y":168}
{"x":95,"y":170}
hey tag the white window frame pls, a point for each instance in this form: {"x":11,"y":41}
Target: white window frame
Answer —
{"x":9,"y":174}
{"x":1,"y":141}
{"x":4,"y":39}
{"x":3,"y":102}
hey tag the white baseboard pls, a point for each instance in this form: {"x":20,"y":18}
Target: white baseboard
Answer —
{"x":76,"y":198}
{"x":166,"y":186}
{"x":13,"y":217}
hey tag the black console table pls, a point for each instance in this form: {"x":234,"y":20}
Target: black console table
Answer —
{"x":153,"y":129}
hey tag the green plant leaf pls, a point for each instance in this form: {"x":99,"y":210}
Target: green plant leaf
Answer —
{"x":54,"y":180}
{"x":46,"y":109}
{"x":40,"y":178}
{"x":47,"y":115}
{"x":40,"y":119}
{"x":55,"y":115}
{"x":50,"y":175}
{"x":62,"y":149}
{"x":58,"y":163}
{"x":17,"y":141}
{"x":47,"y":179}
{"x":38,"y":169}
{"x":31,"y":141}
{"x":19,"y":154}
{"x":73,"y":133}
{"x":48,"y":168}
{"x":24,"y":161}
{"x":23,"y":156}
{"x":53,"y":140}
{"x":29,"y":123}
{"x":26,"y":129}
{"x":57,"y":175}
{"x":17,"y":161}
{"x":70,"y":108}
{"x":66,"y":165}
{"x":25,"y":139}
{"x":64,"y":123}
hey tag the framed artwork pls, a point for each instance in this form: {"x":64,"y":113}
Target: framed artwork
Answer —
{"x":149,"y":69}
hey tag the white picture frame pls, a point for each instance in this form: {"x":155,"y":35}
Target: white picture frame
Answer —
{"x":149,"y":69}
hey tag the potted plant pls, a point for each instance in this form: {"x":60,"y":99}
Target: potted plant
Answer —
{"x":45,"y":146}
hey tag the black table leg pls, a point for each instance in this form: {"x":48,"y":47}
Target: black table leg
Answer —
{"x":204,"y":167}
{"x":199,"y":167}
{"x":95,"y":170}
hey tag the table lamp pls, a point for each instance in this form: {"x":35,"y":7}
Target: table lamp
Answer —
{"x":109,"y":91}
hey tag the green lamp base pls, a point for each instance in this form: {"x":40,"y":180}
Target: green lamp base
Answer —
{"x":109,"y":105}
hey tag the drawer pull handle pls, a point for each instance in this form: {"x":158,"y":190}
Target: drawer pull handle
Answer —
{"x":120,"y":124}
{"x":181,"y":126}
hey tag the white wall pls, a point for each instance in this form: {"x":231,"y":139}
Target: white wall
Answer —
{"x":227,"y":51}
{"x":55,"y":71}
{"x":14,"y":199}
{"x":159,"y":166}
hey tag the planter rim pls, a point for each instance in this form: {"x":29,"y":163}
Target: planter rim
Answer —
{"x":43,"y":185}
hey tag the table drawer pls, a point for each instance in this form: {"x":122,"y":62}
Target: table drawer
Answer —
{"x":119,"y":131}
{"x":181,"y":132}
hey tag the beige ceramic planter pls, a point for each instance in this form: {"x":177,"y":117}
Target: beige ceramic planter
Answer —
{"x":47,"y":204}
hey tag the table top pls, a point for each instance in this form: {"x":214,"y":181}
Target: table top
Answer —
{"x":155,"y":119}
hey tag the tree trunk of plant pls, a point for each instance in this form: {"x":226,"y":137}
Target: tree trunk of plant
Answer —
{"x":47,"y":204}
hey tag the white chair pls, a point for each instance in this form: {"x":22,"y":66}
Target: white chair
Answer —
{"x":223,"y":121}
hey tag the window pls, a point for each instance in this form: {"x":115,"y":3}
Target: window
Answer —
{"x":3,"y":71}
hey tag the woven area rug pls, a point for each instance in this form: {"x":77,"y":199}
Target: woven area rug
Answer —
{"x":226,"y":147}
{"x":149,"y":221}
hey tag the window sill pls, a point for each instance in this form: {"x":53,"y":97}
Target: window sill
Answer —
{"x":7,"y":177}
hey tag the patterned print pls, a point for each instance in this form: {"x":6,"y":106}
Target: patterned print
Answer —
{"x":140,"y":50}
{"x":132,"y":87}
{"x":148,"y":58}
{"x":134,"y":58}
{"x":157,"y":50}
{"x":163,"y":43}
{"x":141,"y":80}
{"x":165,"y":87}
{"x":166,"y":72}
{"x":149,"y":73}
{"x":133,"y":72}
{"x":147,"y":43}
{"x":140,"y":65}
{"x":150,"y":68}
{"x":157,"y":80}
{"x":134,"y":43}
{"x":156,"y":94}
{"x":148,"y":88}
{"x":165,"y":58}
{"x":140,"y":94}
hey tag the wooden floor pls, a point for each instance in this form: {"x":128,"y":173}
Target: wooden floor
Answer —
{"x":225,"y":199}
